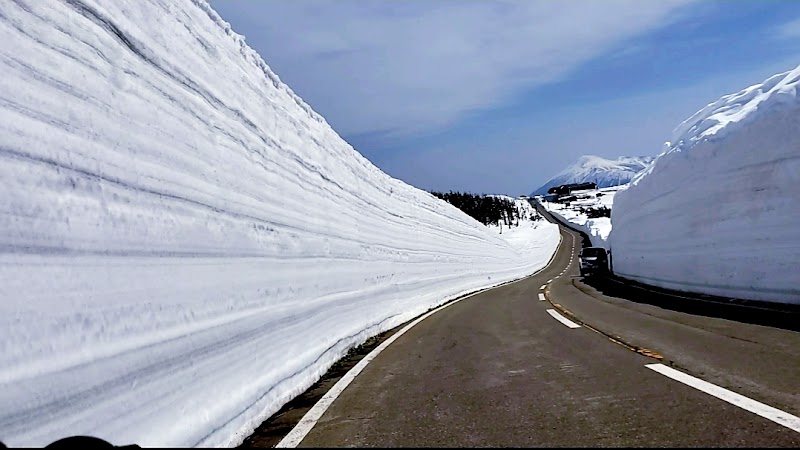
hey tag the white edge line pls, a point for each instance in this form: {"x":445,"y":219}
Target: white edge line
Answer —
{"x":562,"y":319}
{"x":541,"y":297}
{"x":299,"y":432}
{"x":310,"y":419}
{"x":755,"y":407}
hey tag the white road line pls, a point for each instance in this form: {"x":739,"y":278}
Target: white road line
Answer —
{"x":562,"y":319}
{"x":541,"y":297}
{"x":549,"y":281}
{"x":765,"y":411}
{"x":543,"y":286}
{"x":308,"y":421}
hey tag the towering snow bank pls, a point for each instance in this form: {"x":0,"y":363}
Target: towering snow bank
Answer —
{"x":718,"y":211}
{"x":601,"y":171}
{"x":185,"y":244}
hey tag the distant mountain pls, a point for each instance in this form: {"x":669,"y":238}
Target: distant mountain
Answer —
{"x":604,"y":172}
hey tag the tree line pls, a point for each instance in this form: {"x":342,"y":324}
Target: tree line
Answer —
{"x":485,"y":209}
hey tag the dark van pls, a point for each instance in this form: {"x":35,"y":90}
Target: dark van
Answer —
{"x":593,"y":260}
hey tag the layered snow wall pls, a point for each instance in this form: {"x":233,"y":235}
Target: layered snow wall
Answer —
{"x":719,"y":211}
{"x":186,"y":245}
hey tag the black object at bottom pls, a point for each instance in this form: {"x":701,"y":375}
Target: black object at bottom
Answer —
{"x":83,"y":442}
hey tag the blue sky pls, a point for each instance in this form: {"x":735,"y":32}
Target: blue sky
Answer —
{"x":498,"y":96}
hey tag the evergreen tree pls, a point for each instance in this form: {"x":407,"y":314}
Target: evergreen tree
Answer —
{"x":485,"y":209}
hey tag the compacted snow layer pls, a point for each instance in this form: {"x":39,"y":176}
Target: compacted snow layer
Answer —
{"x":719,"y":211}
{"x":186,"y":245}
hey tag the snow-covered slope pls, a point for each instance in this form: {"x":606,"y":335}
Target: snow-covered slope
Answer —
{"x":718,"y":211}
{"x":597,"y":228}
{"x":603,"y":172}
{"x":186,"y":245}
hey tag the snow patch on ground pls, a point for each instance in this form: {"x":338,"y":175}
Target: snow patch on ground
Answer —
{"x":597,"y":228}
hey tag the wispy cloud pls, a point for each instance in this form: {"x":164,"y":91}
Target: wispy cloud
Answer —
{"x":789,"y":30}
{"x":415,"y":66}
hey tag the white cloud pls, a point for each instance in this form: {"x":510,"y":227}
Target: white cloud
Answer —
{"x":414,"y":66}
{"x":789,"y":30}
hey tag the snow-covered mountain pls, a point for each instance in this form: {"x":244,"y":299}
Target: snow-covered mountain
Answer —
{"x":185,"y":244}
{"x":603,"y":172}
{"x":718,"y":211}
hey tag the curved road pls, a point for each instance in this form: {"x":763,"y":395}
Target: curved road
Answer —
{"x":502,"y":369}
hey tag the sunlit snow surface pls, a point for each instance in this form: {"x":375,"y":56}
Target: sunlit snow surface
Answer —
{"x":601,"y":171}
{"x":719,"y":211}
{"x":185,"y":244}
{"x":597,"y":228}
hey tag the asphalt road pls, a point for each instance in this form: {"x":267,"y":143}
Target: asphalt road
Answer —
{"x":497,"y":369}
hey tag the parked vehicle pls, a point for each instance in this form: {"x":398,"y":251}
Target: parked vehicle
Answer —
{"x":593,"y":260}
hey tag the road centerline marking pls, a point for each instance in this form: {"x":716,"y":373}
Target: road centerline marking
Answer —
{"x":748,"y":404}
{"x":562,"y":319}
{"x":541,"y":297}
{"x":543,"y":286}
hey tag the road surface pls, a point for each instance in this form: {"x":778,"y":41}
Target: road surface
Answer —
{"x":506,"y":368}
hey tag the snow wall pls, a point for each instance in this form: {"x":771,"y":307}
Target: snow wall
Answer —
{"x":186,"y":245}
{"x":719,"y":211}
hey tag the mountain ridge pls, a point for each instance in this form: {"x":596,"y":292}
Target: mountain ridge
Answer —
{"x":604,"y":172}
